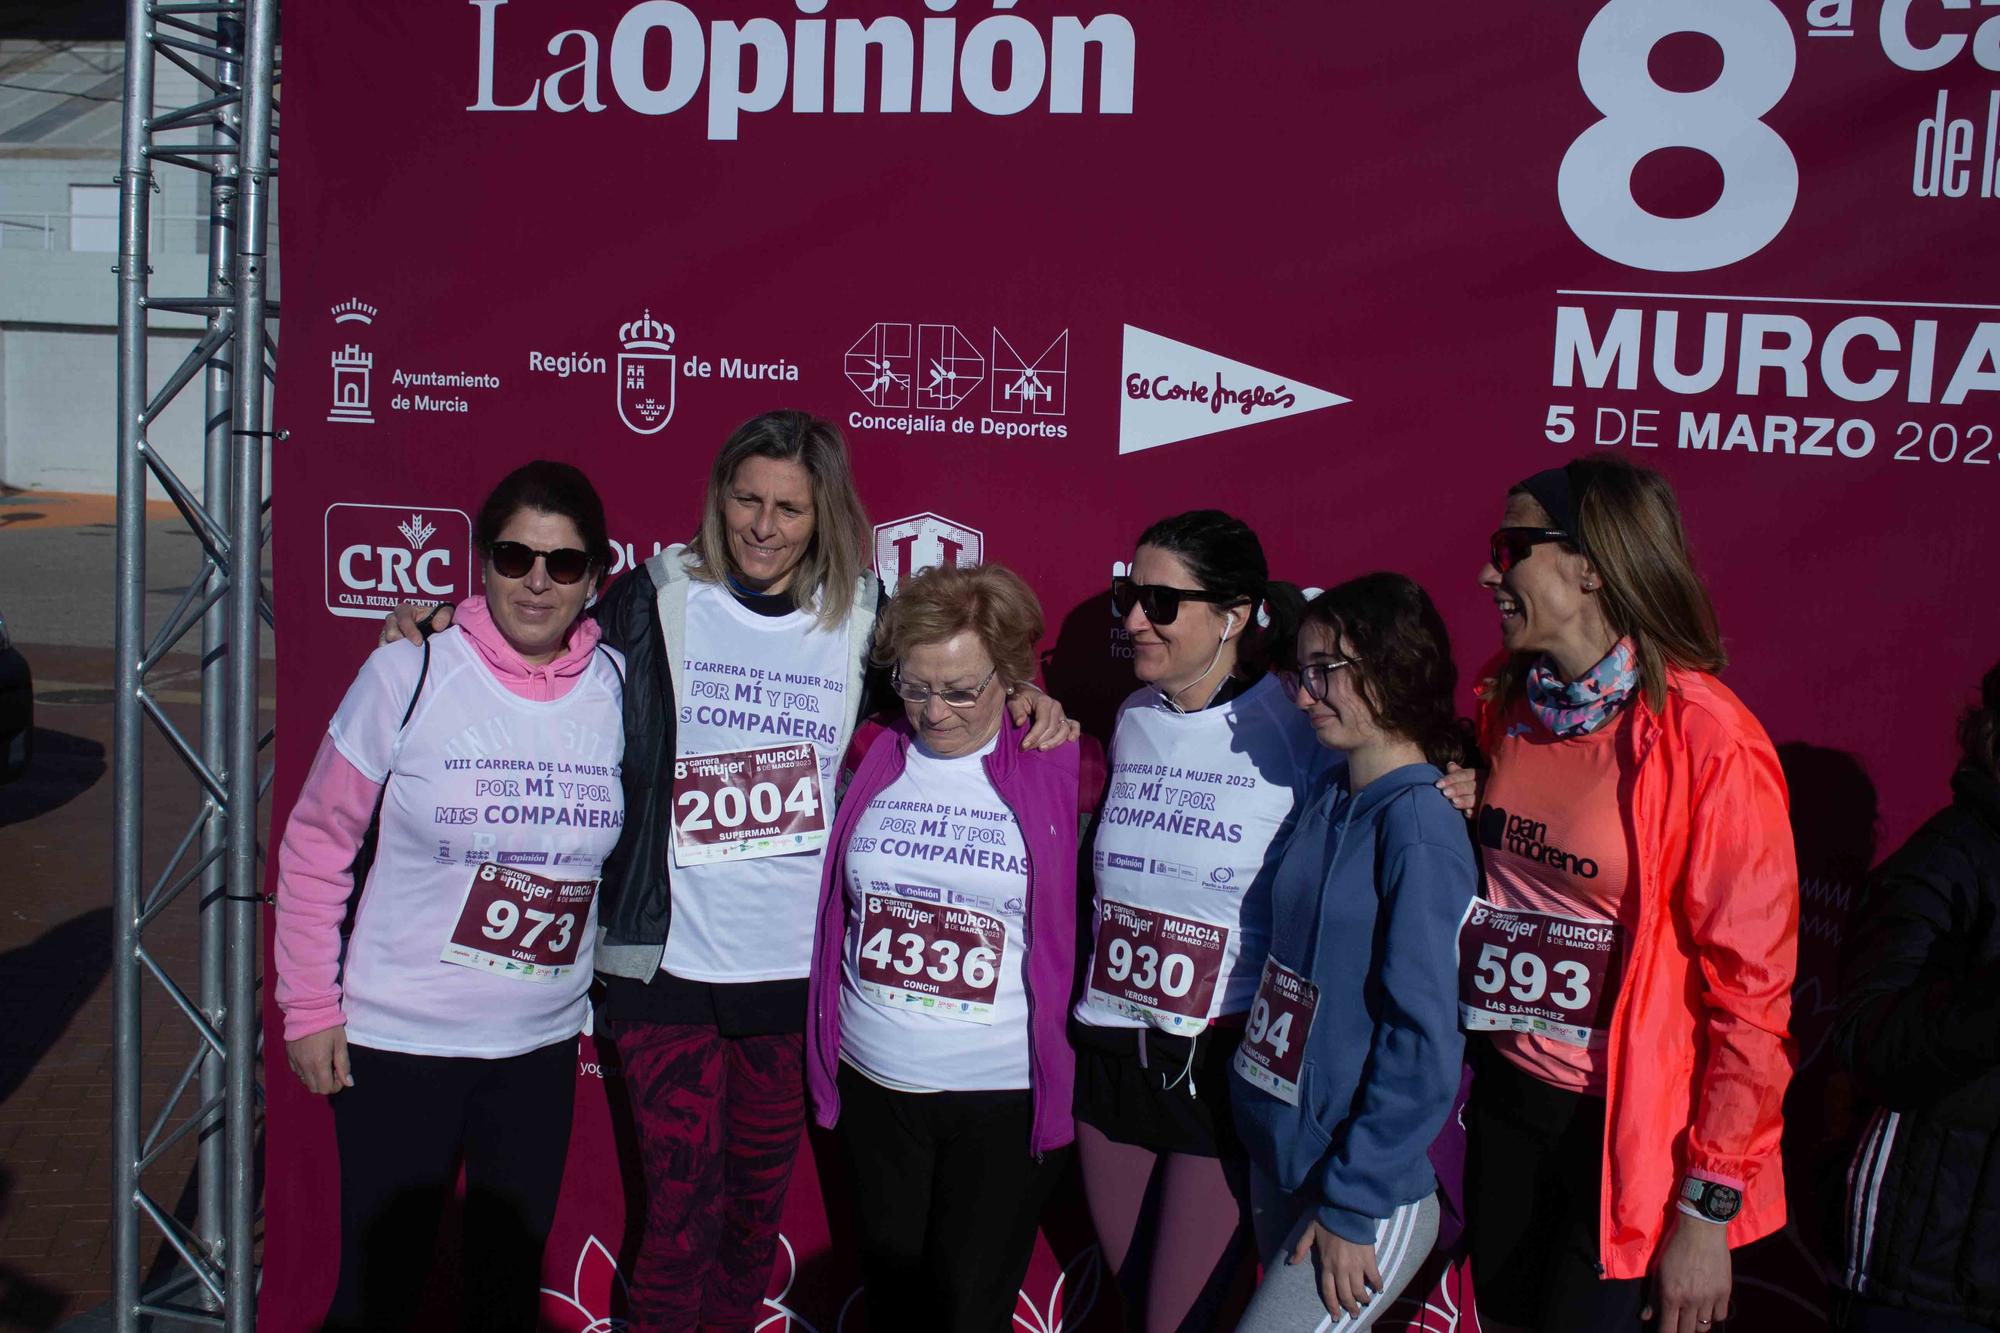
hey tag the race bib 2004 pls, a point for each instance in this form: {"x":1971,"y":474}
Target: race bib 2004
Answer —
{"x":739,"y":805}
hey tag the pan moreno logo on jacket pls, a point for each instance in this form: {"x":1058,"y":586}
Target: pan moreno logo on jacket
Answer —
{"x":659,"y":56}
{"x":1519,"y":835}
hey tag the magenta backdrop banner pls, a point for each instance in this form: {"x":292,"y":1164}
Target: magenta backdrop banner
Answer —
{"x":1061,"y":268}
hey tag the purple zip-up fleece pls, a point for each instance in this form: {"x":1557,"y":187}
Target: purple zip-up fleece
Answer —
{"x":1041,"y":787}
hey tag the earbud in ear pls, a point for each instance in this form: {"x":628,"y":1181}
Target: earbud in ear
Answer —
{"x":1228,"y":623}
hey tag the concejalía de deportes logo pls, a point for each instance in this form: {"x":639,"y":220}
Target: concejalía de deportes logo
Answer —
{"x":918,"y":377}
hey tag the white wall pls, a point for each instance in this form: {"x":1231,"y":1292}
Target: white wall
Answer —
{"x":58,"y":369}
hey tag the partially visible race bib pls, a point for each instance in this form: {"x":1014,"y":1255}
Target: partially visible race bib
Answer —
{"x":1542,"y":973}
{"x":938,"y":957}
{"x":1156,"y":966}
{"x":520,"y":925}
{"x":740,"y":805}
{"x":1273,"y":1049}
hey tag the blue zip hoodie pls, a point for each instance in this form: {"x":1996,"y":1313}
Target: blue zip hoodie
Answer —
{"x":1367,"y":905}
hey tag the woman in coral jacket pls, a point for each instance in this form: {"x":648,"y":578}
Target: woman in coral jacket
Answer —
{"x":1626,"y":973}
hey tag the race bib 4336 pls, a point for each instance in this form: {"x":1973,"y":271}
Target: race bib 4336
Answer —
{"x":937,"y":957}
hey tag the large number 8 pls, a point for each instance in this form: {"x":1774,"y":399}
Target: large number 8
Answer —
{"x":1760,"y":178}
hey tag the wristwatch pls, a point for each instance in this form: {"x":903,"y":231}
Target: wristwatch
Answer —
{"x":1707,"y":1199}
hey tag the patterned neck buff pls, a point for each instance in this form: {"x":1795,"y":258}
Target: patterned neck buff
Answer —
{"x":1579,"y":707}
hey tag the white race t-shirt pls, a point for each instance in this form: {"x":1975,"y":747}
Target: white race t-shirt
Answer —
{"x":931,"y":996}
{"x":481,"y":780}
{"x":1192,"y":829}
{"x":748,"y":682}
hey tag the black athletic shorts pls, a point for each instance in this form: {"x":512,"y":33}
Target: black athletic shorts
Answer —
{"x":1156,"y":1091}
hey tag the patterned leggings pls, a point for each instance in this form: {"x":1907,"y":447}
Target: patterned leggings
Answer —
{"x":719,"y":1120}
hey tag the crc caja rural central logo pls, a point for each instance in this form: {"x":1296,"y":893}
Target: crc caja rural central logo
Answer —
{"x":380,"y":555}
{"x":907,"y":546}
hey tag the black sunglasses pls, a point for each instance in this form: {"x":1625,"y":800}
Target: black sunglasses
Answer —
{"x":513,"y":560}
{"x":1508,"y":547}
{"x":1160,"y":603}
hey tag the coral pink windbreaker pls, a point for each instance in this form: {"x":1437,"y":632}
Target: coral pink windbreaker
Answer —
{"x":1700,"y":1051}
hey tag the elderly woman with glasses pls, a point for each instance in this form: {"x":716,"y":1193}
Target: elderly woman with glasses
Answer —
{"x":944,"y":957}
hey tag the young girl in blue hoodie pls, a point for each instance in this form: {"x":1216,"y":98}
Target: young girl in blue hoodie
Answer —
{"x":1351,"y":1057}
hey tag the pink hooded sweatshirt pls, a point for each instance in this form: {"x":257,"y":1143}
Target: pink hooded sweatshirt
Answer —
{"x":331,"y":816}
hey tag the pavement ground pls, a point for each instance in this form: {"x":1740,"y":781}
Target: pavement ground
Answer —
{"x":56,"y":568}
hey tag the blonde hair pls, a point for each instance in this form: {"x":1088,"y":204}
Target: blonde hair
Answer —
{"x":825,"y":578}
{"x":989,"y":600}
{"x":1629,"y":528}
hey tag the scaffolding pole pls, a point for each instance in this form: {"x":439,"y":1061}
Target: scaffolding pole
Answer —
{"x":205,"y":1229}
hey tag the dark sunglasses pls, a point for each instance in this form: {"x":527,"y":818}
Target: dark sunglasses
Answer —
{"x":1160,"y":603}
{"x":1508,"y":547}
{"x":513,"y":560}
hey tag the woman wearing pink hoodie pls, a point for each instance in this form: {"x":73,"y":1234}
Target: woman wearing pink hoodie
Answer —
{"x":440,"y":1011}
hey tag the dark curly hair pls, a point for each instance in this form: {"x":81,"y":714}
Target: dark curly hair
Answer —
{"x":546,"y":487}
{"x":1402,"y":660}
{"x":1979,"y":729}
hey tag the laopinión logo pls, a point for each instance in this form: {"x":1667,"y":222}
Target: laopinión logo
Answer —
{"x":920,"y":377}
{"x":907,"y":546}
{"x":1528,"y":838}
{"x":378,"y":556}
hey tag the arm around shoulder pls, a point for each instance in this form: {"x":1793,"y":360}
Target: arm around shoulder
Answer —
{"x":626,"y":609}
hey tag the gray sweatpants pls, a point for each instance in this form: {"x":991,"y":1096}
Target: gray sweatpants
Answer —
{"x":1288,"y":1299}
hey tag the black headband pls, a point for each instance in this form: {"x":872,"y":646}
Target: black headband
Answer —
{"x":1553,"y":492}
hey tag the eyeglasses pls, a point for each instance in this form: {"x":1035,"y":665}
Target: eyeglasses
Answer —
{"x":1160,"y":603}
{"x":1314,"y":677}
{"x":1508,"y":547}
{"x":513,"y":560}
{"x":911,"y":692}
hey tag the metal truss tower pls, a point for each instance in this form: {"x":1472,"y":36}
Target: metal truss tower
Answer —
{"x":208,"y":1276}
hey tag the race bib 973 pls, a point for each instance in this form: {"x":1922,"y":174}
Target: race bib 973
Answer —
{"x":523,"y":926}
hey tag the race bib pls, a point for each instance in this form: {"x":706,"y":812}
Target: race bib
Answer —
{"x":1537,"y":972}
{"x":524,"y":926}
{"x":743,"y":804}
{"x":1157,"y":966}
{"x":937,"y":957}
{"x":1273,"y":1049}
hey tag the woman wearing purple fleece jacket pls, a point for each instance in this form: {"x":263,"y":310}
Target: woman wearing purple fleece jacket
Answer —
{"x":443,"y":1026}
{"x":1351,"y":1057}
{"x":944,"y":961}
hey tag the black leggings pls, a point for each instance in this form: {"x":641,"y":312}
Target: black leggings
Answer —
{"x":947,"y":1201}
{"x":403,"y":1129}
{"x":1533,"y":1181}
